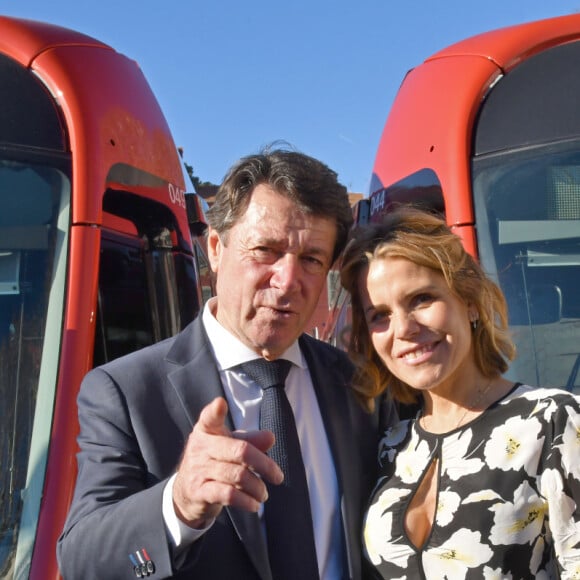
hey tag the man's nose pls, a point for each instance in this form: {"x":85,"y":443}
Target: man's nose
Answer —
{"x":287,"y":272}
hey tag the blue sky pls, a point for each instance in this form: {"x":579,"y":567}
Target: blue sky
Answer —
{"x":233,"y":76}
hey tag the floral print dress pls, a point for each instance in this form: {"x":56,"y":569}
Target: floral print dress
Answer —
{"x":508,"y":487}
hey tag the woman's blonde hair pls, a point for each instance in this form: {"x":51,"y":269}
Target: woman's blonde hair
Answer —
{"x":426,"y":240}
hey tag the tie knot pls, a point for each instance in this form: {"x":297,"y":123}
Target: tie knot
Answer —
{"x":267,"y":373}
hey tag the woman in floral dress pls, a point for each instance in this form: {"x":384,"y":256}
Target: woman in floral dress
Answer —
{"x":484,"y":481}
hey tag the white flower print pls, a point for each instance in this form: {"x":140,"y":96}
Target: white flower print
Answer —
{"x":546,"y":405}
{"x":456,"y":463}
{"x":392,"y":438}
{"x":545,"y":399}
{"x":483,"y":495}
{"x":514,"y":445}
{"x":395,"y":434}
{"x":524,"y":483}
{"x":571,"y":563}
{"x":447,"y":506}
{"x":565,"y":530}
{"x":378,"y":530}
{"x":489,"y":574}
{"x":536,"y":558}
{"x":411,"y":461}
{"x":570,"y":446}
{"x":519,"y":522}
{"x":452,"y":559}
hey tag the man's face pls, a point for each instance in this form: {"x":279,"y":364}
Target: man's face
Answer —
{"x":271,"y":268}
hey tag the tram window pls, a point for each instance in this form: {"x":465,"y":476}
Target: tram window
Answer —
{"x":147,"y":292}
{"x":206,"y":276}
{"x":9,"y":272}
{"x":421,"y":189}
{"x":186,"y":286}
{"x":21,"y":340}
{"x":125,"y":322}
{"x":28,"y":115}
{"x":148,"y":282}
{"x":527,"y":205}
{"x":34,"y":198}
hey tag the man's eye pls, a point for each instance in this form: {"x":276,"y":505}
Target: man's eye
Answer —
{"x":263,"y":252}
{"x":313,"y":264}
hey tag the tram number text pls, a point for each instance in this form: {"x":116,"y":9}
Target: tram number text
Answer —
{"x":176,"y":195}
{"x":377,"y":202}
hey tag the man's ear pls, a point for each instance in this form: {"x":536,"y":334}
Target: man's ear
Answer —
{"x":214,"y":248}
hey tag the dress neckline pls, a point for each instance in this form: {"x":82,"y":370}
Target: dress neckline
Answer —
{"x":494,"y":404}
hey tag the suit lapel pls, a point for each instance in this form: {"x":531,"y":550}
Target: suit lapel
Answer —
{"x":331,"y":387}
{"x":197,"y":382}
{"x":193,"y":372}
{"x":249,"y":530}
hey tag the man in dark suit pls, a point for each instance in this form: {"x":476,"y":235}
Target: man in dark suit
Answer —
{"x":174,"y":477}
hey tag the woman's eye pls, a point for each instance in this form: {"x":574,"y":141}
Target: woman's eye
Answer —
{"x":423,"y":299}
{"x":378,"y":317}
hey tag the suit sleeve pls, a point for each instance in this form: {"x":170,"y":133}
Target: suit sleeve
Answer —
{"x":115,"y":524}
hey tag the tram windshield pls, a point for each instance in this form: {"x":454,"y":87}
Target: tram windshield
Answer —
{"x":527,"y":206}
{"x":34,"y":216}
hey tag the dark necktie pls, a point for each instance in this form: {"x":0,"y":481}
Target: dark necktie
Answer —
{"x":287,"y":512}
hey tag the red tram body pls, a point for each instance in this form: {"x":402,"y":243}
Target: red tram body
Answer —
{"x":487,"y":132}
{"x":98,"y":257}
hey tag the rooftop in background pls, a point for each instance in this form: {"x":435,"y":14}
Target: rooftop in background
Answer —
{"x":355,"y":197}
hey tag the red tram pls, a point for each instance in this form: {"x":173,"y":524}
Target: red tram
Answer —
{"x":487,"y":131}
{"x":98,"y":257}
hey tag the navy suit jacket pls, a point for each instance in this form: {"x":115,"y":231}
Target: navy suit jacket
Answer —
{"x":136,"y":414}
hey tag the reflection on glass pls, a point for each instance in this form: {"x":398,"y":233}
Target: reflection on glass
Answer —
{"x":31,"y":202}
{"x":527,"y":206}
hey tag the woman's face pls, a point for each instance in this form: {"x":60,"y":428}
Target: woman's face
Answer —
{"x":418,"y":327}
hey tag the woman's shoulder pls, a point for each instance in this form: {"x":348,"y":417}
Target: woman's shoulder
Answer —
{"x":548,"y":403}
{"x":532,"y":393}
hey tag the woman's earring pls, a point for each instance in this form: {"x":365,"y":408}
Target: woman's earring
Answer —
{"x":474,"y":325}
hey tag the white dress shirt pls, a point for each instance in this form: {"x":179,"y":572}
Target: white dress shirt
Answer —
{"x":244,"y":398}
